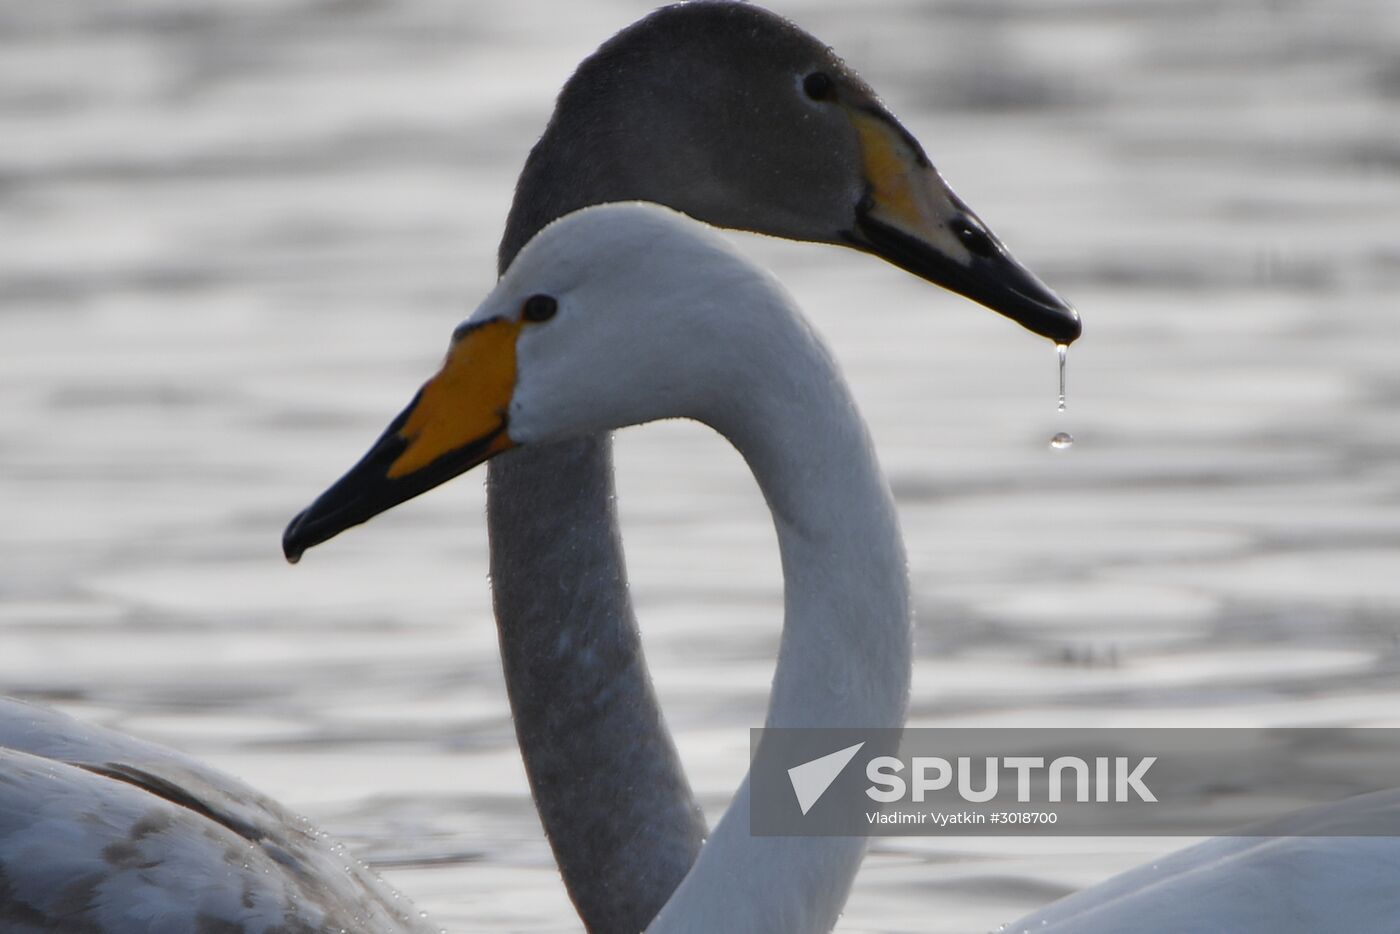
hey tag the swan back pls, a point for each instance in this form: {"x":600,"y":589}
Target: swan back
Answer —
{"x":1320,"y":869}
{"x":105,"y":833}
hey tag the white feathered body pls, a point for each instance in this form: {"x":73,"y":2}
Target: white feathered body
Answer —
{"x":102,"y":833}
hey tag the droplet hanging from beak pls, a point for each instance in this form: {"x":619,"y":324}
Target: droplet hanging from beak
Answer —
{"x":1062,"y":440}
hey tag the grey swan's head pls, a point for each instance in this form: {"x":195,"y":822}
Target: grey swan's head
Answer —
{"x":735,"y":116}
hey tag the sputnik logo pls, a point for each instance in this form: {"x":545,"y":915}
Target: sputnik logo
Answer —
{"x":810,"y":780}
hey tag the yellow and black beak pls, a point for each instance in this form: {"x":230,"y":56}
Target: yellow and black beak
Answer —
{"x":910,"y":217}
{"x":458,"y":420}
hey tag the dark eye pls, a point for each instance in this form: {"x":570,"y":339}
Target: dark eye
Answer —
{"x":976,"y":239}
{"x":539,"y":308}
{"x":866,"y":204}
{"x":818,"y":85}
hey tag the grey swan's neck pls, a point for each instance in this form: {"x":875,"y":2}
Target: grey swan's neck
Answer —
{"x":605,"y":775}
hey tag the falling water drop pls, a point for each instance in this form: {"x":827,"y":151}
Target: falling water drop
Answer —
{"x":1063,"y":351}
{"x":1062,"y":440}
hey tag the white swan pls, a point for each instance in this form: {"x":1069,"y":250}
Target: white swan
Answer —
{"x":623,"y":314}
{"x":1329,"y":869}
{"x":735,"y":116}
{"x":102,"y":833}
{"x":613,"y":316}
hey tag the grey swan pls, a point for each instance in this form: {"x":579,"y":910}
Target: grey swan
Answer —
{"x":738,"y":118}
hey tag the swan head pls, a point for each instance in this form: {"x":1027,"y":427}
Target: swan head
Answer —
{"x":739,"y":118}
{"x":612,"y":316}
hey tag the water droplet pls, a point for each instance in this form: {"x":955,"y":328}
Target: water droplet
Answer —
{"x":1063,"y":440}
{"x":1063,"y":351}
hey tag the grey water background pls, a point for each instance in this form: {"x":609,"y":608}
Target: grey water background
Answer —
{"x":234,"y":237}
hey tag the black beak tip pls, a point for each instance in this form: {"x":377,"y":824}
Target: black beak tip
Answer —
{"x":1044,"y":313}
{"x":991,"y":278}
{"x":293,"y":545}
{"x":1068,"y":327}
{"x":1033,"y":305}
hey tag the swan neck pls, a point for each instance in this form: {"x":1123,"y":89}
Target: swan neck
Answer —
{"x":844,"y":655}
{"x":567,"y":170}
{"x":845,"y":651}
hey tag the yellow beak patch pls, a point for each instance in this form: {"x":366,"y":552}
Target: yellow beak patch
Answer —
{"x":891,"y":171}
{"x":467,"y":401}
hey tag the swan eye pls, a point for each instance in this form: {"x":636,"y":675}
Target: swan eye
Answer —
{"x":539,"y":308}
{"x":974,"y":238}
{"x":818,"y":85}
{"x":866,"y":204}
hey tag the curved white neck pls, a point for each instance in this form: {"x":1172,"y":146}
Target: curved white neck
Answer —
{"x":846,"y":644}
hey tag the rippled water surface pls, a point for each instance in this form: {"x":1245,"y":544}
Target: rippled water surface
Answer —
{"x":236,"y":235}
